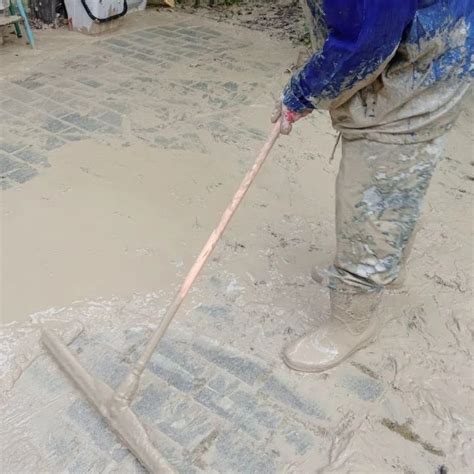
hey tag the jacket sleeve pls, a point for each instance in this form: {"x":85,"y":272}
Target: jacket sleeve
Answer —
{"x":362,"y":35}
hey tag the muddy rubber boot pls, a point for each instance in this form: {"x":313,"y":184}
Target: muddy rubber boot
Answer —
{"x":352,"y":326}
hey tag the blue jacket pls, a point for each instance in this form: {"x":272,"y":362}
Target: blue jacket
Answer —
{"x":362,"y":36}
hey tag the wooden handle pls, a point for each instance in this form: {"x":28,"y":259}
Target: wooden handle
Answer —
{"x":128,"y":388}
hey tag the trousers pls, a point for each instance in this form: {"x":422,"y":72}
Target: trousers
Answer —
{"x":379,"y":194}
{"x":389,"y":154}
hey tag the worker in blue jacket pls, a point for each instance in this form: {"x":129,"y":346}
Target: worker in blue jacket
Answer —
{"x":392,"y":74}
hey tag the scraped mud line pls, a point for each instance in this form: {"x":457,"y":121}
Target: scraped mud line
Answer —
{"x":406,"y":432}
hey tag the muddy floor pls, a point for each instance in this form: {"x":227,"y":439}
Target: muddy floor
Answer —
{"x":281,"y":19}
{"x":119,"y":154}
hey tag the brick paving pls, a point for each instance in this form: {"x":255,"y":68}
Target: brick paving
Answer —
{"x":89,"y":95}
{"x":211,"y":408}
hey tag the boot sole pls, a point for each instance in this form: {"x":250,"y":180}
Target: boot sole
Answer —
{"x":324,"y":368}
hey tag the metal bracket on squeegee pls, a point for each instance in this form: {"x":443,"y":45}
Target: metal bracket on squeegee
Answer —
{"x":109,"y":18}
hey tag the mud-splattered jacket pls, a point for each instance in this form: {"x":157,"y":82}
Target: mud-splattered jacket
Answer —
{"x":364,"y":36}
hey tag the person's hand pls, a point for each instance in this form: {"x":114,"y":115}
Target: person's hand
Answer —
{"x":287,"y":117}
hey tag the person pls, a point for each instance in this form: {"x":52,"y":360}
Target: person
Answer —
{"x":393,"y":75}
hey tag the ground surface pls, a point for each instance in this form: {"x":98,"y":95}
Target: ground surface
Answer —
{"x":118,"y":154}
{"x":281,"y":19}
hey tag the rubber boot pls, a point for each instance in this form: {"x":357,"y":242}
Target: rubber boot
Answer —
{"x":352,"y":326}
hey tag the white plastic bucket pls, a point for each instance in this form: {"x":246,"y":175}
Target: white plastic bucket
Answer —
{"x":95,"y":16}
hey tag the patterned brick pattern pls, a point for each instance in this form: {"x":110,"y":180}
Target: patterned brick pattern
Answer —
{"x":209,"y":407}
{"x":105,"y":91}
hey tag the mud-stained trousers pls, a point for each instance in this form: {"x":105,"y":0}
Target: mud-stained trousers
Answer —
{"x":379,"y":194}
{"x":389,"y":154}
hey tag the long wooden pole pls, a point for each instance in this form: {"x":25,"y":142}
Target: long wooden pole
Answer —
{"x":127,"y":389}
